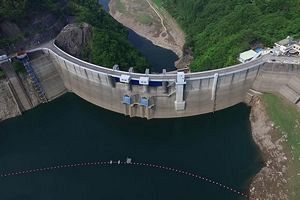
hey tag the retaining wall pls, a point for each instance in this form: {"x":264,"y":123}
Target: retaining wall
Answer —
{"x":273,"y":76}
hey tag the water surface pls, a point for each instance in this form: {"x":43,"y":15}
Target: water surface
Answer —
{"x":70,"y":129}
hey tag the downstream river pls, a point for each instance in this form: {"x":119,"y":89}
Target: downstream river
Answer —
{"x":70,"y":130}
{"x":158,"y":57}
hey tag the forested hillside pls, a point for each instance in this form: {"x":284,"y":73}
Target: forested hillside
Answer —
{"x":218,"y":30}
{"x":109,"y":45}
{"x":14,"y":10}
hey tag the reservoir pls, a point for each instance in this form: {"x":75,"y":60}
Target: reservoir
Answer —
{"x":69,"y":130}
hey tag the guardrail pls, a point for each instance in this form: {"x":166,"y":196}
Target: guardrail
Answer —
{"x":53,"y":49}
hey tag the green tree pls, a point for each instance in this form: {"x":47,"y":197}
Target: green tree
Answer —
{"x":13,"y":9}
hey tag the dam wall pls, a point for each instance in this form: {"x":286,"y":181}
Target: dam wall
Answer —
{"x":274,"y":76}
{"x":280,"y":78}
{"x":168,"y":95}
{"x":47,"y":73}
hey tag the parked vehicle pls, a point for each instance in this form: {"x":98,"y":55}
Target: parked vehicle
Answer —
{"x":3,"y":58}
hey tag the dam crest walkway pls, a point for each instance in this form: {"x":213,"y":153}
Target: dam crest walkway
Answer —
{"x":180,"y":94}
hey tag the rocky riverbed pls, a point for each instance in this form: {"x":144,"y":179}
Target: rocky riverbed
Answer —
{"x":153,"y":23}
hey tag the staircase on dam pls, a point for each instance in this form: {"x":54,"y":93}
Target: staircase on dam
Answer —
{"x":48,"y":75}
{"x":35,"y":80}
{"x":291,"y":91}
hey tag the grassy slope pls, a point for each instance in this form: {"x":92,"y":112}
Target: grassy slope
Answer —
{"x":158,"y":2}
{"x":287,"y":118}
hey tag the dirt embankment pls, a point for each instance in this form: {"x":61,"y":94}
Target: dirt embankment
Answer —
{"x":9,"y":105}
{"x":153,"y":23}
{"x":271,"y":182}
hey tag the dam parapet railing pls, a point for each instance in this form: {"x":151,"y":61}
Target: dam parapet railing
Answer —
{"x":51,"y":47}
{"x":163,"y":95}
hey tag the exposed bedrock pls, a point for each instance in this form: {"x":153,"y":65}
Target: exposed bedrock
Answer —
{"x":74,"y":38}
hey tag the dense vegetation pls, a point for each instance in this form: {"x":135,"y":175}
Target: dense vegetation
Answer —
{"x":287,"y":119}
{"x":16,"y":10}
{"x":109,"y":45}
{"x":218,"y":30}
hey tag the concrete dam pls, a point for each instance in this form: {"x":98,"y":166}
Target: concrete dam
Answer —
{"x":169,"y":95}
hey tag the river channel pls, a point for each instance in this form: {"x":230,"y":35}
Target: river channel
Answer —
{"x":158,"y":57}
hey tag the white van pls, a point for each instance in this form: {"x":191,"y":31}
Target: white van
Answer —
{"x":4,"y":58}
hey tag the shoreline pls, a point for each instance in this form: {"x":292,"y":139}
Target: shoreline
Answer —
{"x":162,"y":30}
{"x":8,"y":104}
{"x":271,"y":181}
{"x":18,"y":91}
{"x":9,"y":99}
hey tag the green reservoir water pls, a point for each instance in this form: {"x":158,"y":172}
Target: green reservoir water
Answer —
{"x":69,"y":130}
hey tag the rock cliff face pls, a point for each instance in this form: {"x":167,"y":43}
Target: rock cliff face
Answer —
{"x":75,"y":39}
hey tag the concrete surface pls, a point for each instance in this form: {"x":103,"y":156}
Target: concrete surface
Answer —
{"x":199,"y":93}
{"x":17,"y":87}
{"x":48,"y":75}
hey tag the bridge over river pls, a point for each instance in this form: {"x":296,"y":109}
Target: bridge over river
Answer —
{"x":179,"y":94}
